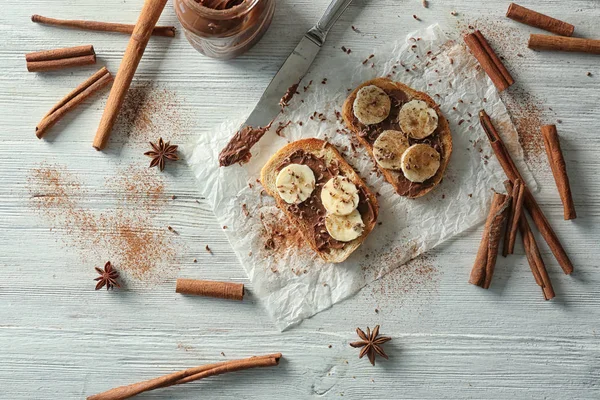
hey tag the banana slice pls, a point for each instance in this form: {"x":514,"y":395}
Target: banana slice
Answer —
{"x":417,"y":119}
{"x":295,"y":183}
{"x":339,"y":196}
{"x":420,"y":162}
{"x":372,"y":105}
{"x":344,"y":227}
{"x":389,"y":147}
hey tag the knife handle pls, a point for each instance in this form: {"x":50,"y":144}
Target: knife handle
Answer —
{"x":318,"y":33}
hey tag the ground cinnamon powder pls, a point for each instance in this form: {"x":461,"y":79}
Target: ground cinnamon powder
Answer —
{"x":527,"y":111}
{"x":150,"y":110}
{"x":128,"y":233}
{"x":415,"y":282}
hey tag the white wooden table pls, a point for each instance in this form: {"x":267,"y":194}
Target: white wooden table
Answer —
{"x":59,"y":339}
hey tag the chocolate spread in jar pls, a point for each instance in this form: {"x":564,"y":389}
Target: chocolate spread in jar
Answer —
{"x":220,"y":4}
{"x":312,"y":210}
{"x":371,"y":132}
{"x":224,"y":29}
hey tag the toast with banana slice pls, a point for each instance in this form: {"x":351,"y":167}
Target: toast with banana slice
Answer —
{"x":403,"y":131}
{"x":322,"y":195}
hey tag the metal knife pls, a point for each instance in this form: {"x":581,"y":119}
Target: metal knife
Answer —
{"x":291,"y":72}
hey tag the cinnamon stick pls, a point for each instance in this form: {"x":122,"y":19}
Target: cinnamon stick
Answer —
{"x":49,"y":60}
{"x":518,"y":196}
{"x":561,"y":43}
{"x":231,"y":366}
{"x":57,"y":54}
{"x":168,"y":31}
{"x":53,"y":65}
{"x":511,"y":171}
{"x":515,"y":193}
{"x":133,"y":54}
{"x":511,"y":213}
{"x":489,"y":61}
{"x":188,"y":375}
{"x":532,"y":252}
{"x":533,"y":18}
{"x":221,"y":290}
{"x":559,"y":169}
{"x":77,"y":96}
{"x":534,"y":258}
{"x":485,"y":261}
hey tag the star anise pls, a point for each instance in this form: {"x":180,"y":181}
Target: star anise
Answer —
{"x":107,"y":278}
{"x":160,"y":152}
{"x":371,"y":344}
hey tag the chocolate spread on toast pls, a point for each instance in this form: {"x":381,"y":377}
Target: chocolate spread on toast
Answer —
{"x":371,"y":132}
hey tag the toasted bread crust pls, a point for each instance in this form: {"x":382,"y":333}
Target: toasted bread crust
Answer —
{"x":445,"y":134}
{"x":324,"y":149}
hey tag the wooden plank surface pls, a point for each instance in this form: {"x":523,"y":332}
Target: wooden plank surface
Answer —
{"x":61,"y":339}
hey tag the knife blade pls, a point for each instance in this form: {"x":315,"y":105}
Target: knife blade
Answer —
{"x":288,"y":77}
{"x":291,"y":73}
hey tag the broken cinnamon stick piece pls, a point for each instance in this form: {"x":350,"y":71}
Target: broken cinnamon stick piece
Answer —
{"x":511,"y":212}
{"x":57,"y":54}
{"x":538,"y":20}
{"x":561,"y":43}
{"x":511,"y":171}
{"x":221,"y":290}
{"x":518,"y":196}
{"x":516,"y":193}
{"x":534,"y":258}
{"x":196,"y":373}
{"x":559,"y":169}
{"x":168,"y":31}
{"x":489,"y":61}
{"x":89,"y":87}
{"x":485,"y":261}
{"x":133,"y":54}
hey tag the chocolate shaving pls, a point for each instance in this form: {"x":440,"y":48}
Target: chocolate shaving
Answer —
{"x":289,"y":94}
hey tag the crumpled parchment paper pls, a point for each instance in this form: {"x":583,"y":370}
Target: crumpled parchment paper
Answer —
{"x":288,"y":278}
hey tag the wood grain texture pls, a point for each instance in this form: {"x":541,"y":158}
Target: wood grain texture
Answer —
{"x":61,"y":339}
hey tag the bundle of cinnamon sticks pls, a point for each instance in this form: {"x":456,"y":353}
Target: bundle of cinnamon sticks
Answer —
{"x":50,"y":60}
{"x":491,"y":62}
{"x":564,"y":30}
{"x":508,"y":210}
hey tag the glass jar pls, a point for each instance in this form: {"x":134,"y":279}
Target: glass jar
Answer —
{"x":224,"y":33}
